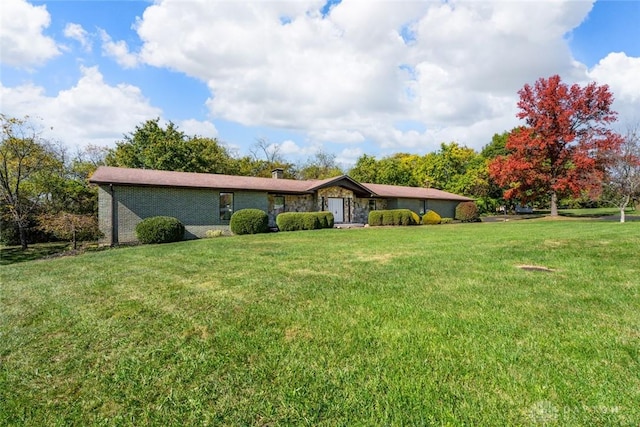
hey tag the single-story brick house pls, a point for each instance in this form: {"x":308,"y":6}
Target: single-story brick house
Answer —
{"x":204,"y":201}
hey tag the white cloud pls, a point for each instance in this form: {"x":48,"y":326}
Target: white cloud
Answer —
{"x":22,"y":41}
{"x":349,"y":156}
{"x":197,"y":127}
{"x":621,"y":72}
{"x":79,"y":34}
{"x":119,"y":51}
{"x":348,"y":77}
{"x":91,"y":112}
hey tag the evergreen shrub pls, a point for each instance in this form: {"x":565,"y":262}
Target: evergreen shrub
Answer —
{"x":375,"y":218}
{"x":160,"y":229}
{"x":467,"y":212}
{"x":326,"y":219}
{"x":431,"y":218}
{"x":393,"y":217}
{"x":415,"y":218}
{"x":295,"y":221}
{"x":249,"y":221}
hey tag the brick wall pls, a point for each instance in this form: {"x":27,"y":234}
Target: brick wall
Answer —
{"x":197,"y":209}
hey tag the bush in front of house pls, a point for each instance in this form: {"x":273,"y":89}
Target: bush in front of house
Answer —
{"x":326,"y":219}
{"x":249,"y":221}
{"x":446,"y":220}
{"x":295,"y":221}
{"x":467,"y":212}
{"x":375,"y":218}
{"x":415,"y":217}
{"x":431,"y":218}
{"x":160,"y":229}
{"x":393,"y":217}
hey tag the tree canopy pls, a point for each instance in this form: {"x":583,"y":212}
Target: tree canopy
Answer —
{"x":27,"y":164}
{"x":150,"y":146}
{"x":563,"y":147}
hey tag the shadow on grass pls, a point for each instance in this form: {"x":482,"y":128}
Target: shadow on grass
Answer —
{"x":14,"y":254}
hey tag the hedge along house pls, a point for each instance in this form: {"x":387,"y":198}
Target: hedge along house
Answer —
{"x":206,"y":201}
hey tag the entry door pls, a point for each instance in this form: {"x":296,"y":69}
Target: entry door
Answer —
{"x":336,"y":207}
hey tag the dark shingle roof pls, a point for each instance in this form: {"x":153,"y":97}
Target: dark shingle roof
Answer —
{"x":148,"y":177}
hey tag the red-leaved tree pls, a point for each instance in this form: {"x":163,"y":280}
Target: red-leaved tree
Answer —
{"x":563,"y":148}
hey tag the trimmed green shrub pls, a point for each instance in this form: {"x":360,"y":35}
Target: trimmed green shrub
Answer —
{"x":446,"y":220}
{"x":393,"y":217}
{"x":388,"y":218}
{"x":294,"y":221}
{"x":160,"y":229}
{"x":326,"y":219}
{"x":415,"y":217}
{"x":310,"y":221}
{"x":467,"y":212}
{"x":375,"y":218}
{"x":431,"y":218}
{"x":249,"y":221}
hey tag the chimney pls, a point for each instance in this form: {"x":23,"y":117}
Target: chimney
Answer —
{"x":277,"y":173}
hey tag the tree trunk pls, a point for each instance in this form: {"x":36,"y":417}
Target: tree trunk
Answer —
{"x":554,"y":204}
{"x":623,"y":207}
{"x":23,"y":236}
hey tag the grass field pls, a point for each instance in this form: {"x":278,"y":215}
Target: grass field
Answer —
{"x":431,"y":325}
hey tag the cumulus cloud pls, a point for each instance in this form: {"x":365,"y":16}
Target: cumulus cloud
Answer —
{"x":91,"y":112}
{"x":349,"y":156}
{"x":350,"y":75}
{"x":79,"y":34}
{"x":621,"y":72}
{"x":22,"y":41}
{"x":118,"y":50}
{"x":198,"y":127}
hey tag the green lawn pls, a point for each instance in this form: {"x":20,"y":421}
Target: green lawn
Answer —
{"x":13,"y":254}
{"x":430,"y":325}
{"x":597,"y":212}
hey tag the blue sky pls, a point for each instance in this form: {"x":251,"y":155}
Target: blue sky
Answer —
{"x":346,"y":77}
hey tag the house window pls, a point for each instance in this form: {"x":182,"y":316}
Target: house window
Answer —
{"x":278,"y":204}
{"x":372,"y":204}
{"x":226,"y":206}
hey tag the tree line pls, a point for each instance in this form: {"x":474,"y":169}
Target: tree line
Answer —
{"x":565,"y":154}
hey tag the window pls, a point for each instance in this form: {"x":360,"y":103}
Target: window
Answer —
{"x":278,"y":204}
{"x":372,"y":204}
{"x":226,"y":206}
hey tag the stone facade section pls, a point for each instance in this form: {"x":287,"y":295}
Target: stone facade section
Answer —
{"x":361,"y":208}
{"x":292,"y":203}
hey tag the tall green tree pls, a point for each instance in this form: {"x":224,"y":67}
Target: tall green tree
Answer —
{"x":151,"y":146}
{"x":365,"y":169}
{"x":27,"y":165}
{"x":497,"y":146}
{"x":392,"y":170}
{"x":453,"y":168}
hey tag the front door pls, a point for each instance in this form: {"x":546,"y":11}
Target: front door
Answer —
{"x":336,"y":207}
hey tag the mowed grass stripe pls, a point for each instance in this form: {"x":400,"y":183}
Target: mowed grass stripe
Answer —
{"x":380,"y":326}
